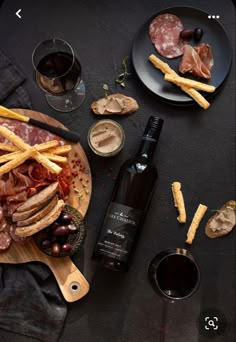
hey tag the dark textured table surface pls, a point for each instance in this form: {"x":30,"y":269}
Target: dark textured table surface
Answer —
{"x":196,"y":148}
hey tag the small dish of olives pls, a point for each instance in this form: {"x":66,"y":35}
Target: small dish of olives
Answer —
{"x":63,"y":237}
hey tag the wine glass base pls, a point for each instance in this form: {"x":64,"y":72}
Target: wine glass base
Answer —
{"x":70,"y":101}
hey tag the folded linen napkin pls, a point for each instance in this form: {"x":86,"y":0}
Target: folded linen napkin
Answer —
{"x":31,"y":303}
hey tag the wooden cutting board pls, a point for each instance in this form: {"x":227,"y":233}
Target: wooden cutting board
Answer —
{"x":72,"y":283}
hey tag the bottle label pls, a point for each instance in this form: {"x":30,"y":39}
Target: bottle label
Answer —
{"x":119,"y":231}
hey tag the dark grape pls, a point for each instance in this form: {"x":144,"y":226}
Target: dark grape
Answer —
{"x":61,"y":230}
{"x":186,"y":34}
{"x":66,"y":247}
{"x":56,"y":249}
{"x":197,"y":34}
{"x":53,"y":239}
{"x":46,"y":244}
{"x":55,"y":225}
{"x":66,"y":218}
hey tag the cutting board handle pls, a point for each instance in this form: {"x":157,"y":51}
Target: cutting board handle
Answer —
{"x":71,"y":281}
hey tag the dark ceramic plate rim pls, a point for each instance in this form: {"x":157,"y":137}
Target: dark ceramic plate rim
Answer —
{"x":180,"y":97}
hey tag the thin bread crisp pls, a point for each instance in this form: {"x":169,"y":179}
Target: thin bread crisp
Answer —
{"x":41,"y":197}
{"x":48,"y":219}
{"x":39,"y":214}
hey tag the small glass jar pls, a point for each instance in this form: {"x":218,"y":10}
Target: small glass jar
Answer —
{"x":106,"y":138}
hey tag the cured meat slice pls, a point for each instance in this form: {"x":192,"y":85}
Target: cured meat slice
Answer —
{"x":30,"y":134}
{"x":15,"y":237}
{"x":3,"y":225}
{"x":164,"y":32}
{"x":204,"y":52}
{"x":194,"y":58}
{"x":5,"y":241}
{"x":1,"y":213}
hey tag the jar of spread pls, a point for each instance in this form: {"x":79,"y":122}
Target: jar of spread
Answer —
{"x":106,"y":138}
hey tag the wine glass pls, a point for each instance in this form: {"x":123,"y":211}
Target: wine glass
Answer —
{"x":58,"y":74}
{"x":175,"y":276}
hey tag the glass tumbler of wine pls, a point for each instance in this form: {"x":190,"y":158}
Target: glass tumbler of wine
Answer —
{"x":58,"y":74}
{"x":175,"y":276}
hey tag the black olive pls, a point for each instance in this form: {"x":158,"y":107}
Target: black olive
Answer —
{"x":197,"y":35}
{"x":61,"y":230}
{"x":56,"y":248}
{"x":55,"y":225}
{"x":186,"y":34}
{"x":46,"y":244}
{"x":66,"y":247}
{"x":65,"y":218}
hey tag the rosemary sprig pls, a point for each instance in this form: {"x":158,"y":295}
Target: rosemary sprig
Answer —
{"x":121,"y":78}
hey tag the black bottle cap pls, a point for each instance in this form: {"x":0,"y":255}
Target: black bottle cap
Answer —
{"x":153,"y":128}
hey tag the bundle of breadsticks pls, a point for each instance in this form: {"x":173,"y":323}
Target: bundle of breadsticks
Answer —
{"x":47,"y":154}
{"x":189,"y":86}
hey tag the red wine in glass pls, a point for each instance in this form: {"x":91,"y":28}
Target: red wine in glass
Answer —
{"x":58,"y":73}
{"x":174,"y":275}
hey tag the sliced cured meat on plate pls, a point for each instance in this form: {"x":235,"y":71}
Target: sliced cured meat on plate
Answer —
{"x":164,"y":32}
{"x":197,"y":60}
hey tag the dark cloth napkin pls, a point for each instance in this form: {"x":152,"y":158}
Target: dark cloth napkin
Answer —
{"x":12,"y":92}
{"x":30,"y":300}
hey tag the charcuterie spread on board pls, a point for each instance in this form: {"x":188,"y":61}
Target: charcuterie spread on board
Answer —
{"x":40,"y":174}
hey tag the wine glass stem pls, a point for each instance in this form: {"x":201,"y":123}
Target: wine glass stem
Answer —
{"x":163,"y":320}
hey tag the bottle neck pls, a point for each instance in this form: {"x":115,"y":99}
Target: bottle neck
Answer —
{"x":150,"y":137}
{"x":147,"y":148}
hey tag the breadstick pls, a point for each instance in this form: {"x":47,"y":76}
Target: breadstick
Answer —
{"x":60,"y":149}
{"x":8,"y":147}
{"x":165,"y":68}
{"x":196,"y":96}
{"x":181,"y":81}
{"x":54,"y":157}
{"x":17,"y":161}
{"x":159,"y":64}
{"x":38,"y":147}
{"x":50,"y":156}
{"x":179,"y":201}
{"x":195,"y":223}
{"x":17,"y":141}
{"x":52,"y":167}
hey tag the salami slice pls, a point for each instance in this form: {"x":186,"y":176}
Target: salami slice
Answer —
{"x":17,"y":238}
{"x":5,"y":241}
{"x":3,"y":224}
{"x":164,"y":32}
{"x":30,"y":134}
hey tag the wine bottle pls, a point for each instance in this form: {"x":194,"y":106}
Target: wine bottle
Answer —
{"x":129,"y":203}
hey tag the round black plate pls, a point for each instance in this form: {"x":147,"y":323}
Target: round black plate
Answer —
{"x":152,"y":78}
